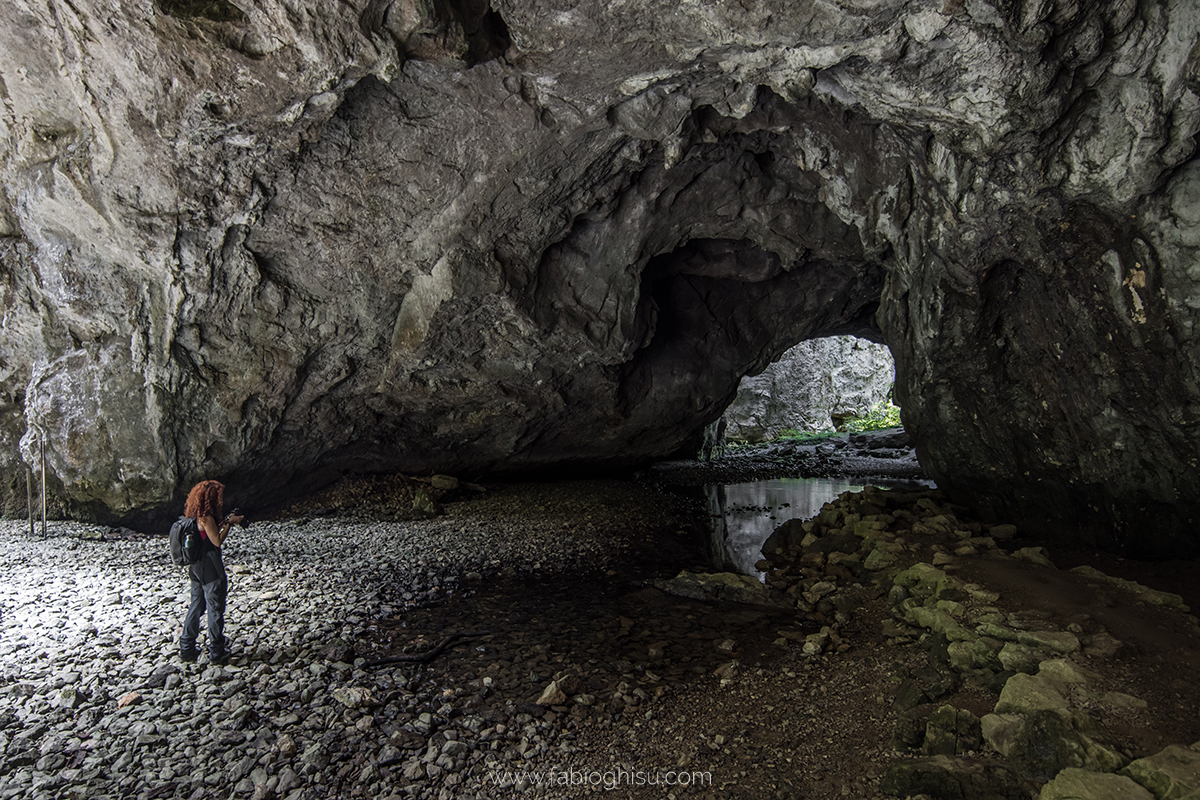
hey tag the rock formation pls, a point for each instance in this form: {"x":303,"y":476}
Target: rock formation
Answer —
{"x":810,"y":388}
{"x":269,"y":241}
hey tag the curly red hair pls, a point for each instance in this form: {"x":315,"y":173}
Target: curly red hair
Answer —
{"x":206,"y":499}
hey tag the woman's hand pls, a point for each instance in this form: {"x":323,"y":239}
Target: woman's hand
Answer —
{"x":215,"y":534}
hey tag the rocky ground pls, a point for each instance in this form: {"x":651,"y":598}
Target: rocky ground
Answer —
{"x":585,"y":666}
{"x":874,"y":454}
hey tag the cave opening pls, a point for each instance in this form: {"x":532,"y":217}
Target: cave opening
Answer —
{"x":817,"y":423}
{"x":819,"y":387}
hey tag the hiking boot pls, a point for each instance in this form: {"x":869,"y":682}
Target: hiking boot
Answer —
{"x":222,"y":656}
{"x":189,"y":656}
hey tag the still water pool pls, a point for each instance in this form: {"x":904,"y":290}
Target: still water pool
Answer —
{"x":743,"y":515}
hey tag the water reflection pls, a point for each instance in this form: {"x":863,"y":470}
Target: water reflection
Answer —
{"x":745,"y":514}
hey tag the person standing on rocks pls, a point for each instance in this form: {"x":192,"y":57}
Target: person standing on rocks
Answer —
{"x":209,"y":585}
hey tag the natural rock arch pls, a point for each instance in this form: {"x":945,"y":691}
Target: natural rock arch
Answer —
{"x":269,"y":247}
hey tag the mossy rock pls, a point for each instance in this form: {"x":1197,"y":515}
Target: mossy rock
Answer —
{"x":952,"y":731}
{"x":952,"y":778}
{"x":1058,"y":641}
{"x":879,"y":558}
{"x":925,"y":581}
{"x":977,"y":654}
{"x":1173,"y":774}
{"x":909,"y":731}
{"x":938,"y":621}
{"x":1021,"y":657}
{"x":1080,"y":784}
{"x":1025,"y":694}
{"x":1049,"y":742}
{"x":1000,"y":731}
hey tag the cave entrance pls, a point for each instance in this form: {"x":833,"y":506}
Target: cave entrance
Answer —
{"x":817,"y":422}
{"x":820,"y":386}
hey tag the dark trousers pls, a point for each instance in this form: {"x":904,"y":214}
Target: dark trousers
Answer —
{"x":209,"y":586}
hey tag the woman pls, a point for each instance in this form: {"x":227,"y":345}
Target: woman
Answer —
{"x":204,"y":504}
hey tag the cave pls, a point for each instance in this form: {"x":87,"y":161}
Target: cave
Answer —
{"x":261,"y":286}
{"x":508,"y":262}
{"x":470,"y":253}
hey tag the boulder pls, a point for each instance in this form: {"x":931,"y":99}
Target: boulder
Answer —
{"x":1027,"y":694}
{"x":976,"y":654}
{"x":924,"y":581}
{"x":1144,"y":593}
{"x":728,"y":586}
{"x":952,"y":731}
{"x":953,"y":778}
{"x":1047,"y":742}
{"x":1058,"y":641}
{"x":1173,"y":774}
{"x":1021,"y":657}
{"x":1081,"y":784}
{"x":1000,"y":731}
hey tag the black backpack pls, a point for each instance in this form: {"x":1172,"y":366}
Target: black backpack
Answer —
{"x":186,"y":545}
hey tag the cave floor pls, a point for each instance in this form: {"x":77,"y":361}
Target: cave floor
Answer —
{"x":557,"y":583}
{"x":720,"y":695}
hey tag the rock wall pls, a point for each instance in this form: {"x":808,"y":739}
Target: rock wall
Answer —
{"x":810,"y":388}
{"x":271,"y":241}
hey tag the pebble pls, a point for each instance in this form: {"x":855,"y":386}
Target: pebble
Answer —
{"x":96,"y":703}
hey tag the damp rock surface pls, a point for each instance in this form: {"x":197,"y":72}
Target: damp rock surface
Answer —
{"x":471,"y":238}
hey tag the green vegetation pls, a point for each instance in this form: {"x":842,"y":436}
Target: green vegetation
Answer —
{"x":882,"y":415}
{"x":806,"y":436}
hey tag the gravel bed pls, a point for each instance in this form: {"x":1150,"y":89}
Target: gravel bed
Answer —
{"x":95,"y":702}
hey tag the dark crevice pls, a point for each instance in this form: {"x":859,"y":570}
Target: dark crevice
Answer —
{"x":490,"y":40}
{"x":467,"y":31}
{"x":210,"y":10}
{"x":720,"y":307}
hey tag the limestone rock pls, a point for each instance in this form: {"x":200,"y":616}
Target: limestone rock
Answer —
{"x":1025,"y":694}
{"x":786,"y":538}
{"x":879,"y":558}
{"x":1000,"y":731}
{"x":445,"y":483}
{"x":552,"y":695}
{"x":1074,"y":783}
{"x":354,"y":696}
{"x":975,"y":654}
{"x":723,"y":586}
{"x":1172,"y":774}
{"x":1020,"y":657}
{"x":952,"y":731}
{"x":952,"y":778}
{"x":810,"y":388}
{"x":1047,"y":742}
{"x":925,"y":581}
{"x":1058,"y":641}
{"x":1065,"y":673}
{"x":1034,"y":555}
{"x":1143,"y":593}
{"x":274,"y":247}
